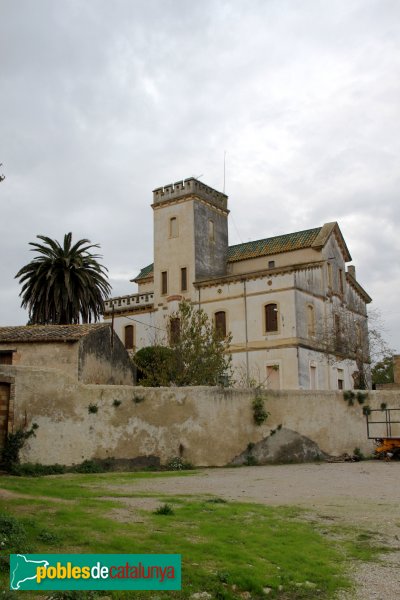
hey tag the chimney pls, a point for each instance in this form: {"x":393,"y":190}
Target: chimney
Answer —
{"x":396,"y":368}
{"x":352,"y":270}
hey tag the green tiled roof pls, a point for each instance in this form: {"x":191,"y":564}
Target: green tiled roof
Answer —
{"x":265,"y":247}
{"x":145,"y":272}
{"x":273,"y":245}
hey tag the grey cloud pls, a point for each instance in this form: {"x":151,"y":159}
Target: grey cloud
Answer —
{"x":101,"y":102}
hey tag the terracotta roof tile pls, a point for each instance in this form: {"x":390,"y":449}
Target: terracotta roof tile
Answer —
{"x":47,"y":333}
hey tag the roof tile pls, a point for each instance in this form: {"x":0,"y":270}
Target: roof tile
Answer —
{"x":48,"y":333}
{"x":265,"y":247}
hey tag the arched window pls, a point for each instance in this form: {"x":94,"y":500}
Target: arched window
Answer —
{"x":220,"y":324}
{"x":173,"y":227}
{"x":310,"y":320}
{"x":271,"y":317}
{"x":129,"y":337}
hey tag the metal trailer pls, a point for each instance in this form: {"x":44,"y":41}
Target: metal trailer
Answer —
{"x":383,"y":426}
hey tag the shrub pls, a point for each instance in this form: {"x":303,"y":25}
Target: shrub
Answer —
{"x":164,"y":509}
{"x":93,"y":408}
{"x":361,"y":397}
{"x":14,"y":444}
{"x":260,"y":415}
{"x":36,"y":470}
{"x":349,"y":396}
{"x":137,"y":399}
{"x":88,"y":466}
{"x":154,"y":365}
{"x":116,"y":403}
{"x":13,"y":539}
{"x":358,"y":454}
{"x":178,"y":464}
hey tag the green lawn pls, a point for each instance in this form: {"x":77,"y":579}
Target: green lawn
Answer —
{"x":226,"y":548}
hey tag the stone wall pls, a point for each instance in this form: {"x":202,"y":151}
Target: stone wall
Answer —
{"x":207,"y":426}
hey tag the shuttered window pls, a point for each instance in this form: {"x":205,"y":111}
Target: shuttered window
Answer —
{"x":220,"y":324}
{"x":271,"y":317}
{"x":129,"y":345}
{"x":164,"y":282}
{"x":183,"y":279}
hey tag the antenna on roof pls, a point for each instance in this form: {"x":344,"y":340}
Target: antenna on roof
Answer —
{"x":197,"y":176}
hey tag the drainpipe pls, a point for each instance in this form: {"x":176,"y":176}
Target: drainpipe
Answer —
{"x":246,"y":331}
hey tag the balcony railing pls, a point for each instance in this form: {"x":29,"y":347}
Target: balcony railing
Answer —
{"x":129,"y":302}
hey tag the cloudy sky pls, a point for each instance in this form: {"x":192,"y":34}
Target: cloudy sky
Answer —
{"x":101,"y":102}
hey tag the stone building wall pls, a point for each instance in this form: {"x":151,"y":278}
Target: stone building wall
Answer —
{"x":207,"y":426}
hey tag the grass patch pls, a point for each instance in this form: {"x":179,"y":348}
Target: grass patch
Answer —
{"x":227,"y":548}
{"x":164,"y":509}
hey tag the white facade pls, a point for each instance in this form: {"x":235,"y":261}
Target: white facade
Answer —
{"x":297,"y":318}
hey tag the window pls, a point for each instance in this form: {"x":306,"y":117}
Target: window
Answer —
{"x":129,"y":345}
{"x":183,"y":279}
{"x":164,"y":283}
{"x":211,"y":230}
{"x":313,"y":377}
{"x":220,"y":324}
{"x":310,"y":321}
{"x":329,"y":266}
{"x":340,"y":380}
{"x":273,"y":378}
{"x":174,"y":330}
{"x":173,"y":227}
{"x":6,"y":357}
{"x":341,"y":286}
{"x":271,"y":317}
{"x":271,"y":264}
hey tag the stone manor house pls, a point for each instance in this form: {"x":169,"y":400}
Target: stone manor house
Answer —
{"x":297,"y":316}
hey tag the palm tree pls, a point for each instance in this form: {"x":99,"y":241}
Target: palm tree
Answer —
{"x":63,"y":284}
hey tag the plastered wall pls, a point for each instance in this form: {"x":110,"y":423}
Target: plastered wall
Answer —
{"x":210,"y":425}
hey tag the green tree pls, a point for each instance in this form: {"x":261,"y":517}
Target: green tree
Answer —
{"x":63,"y":284}
{"x":154,"y":366}
{"x":196,"y":355}
{"x":382,"y":372}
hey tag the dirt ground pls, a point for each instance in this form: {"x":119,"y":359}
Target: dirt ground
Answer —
{"x":364,"y":494}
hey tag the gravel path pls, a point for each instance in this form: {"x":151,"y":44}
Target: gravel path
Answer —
{"x":364,"y":494}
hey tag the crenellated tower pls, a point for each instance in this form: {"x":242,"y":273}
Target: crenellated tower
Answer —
{"x":190,"y":238}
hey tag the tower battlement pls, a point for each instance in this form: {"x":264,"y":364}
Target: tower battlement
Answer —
{"x":190,"y":187}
